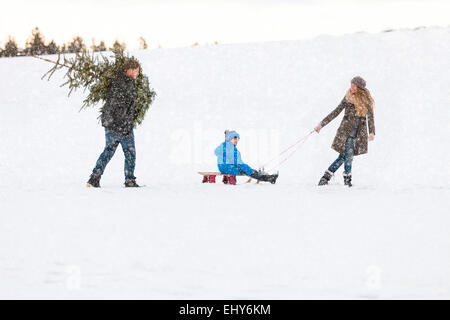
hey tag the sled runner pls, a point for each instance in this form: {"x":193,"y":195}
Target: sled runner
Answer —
{"x":210,"y":177}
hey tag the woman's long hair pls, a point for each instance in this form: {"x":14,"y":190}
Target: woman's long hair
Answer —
{"x":363,"y":102}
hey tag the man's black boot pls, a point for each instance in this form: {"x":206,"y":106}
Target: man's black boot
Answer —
{"x":94,"y":181}
{"x":131,"y":183}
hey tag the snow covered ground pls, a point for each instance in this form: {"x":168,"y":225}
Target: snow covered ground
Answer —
{"x":388,"y":237}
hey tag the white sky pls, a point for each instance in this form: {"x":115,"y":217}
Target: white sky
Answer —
{"x":172,"y":23}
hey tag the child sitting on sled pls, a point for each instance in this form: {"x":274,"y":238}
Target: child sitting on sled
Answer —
{"x":229,"y":160}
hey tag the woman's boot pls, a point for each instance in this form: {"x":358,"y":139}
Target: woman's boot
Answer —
{"x":325,"y":178}
{"x":348,"y":179}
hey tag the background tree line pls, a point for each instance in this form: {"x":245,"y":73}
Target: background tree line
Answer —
{"x":36,"y":45}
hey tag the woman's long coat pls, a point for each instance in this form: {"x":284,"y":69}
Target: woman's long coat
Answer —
{"x":361,"y":144}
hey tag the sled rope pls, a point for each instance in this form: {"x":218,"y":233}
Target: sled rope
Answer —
{"x":299,"y":143}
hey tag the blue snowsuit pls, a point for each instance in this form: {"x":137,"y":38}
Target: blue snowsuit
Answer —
{"x":229,"y":160}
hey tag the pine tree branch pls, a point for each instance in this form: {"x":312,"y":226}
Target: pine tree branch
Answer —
{"x":57,"y":65}
{"x":51,"y":61}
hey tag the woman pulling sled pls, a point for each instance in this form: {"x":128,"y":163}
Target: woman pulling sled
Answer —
{"x":351,"y":138}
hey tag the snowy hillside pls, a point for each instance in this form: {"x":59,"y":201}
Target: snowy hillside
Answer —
{"x":388,"y":237}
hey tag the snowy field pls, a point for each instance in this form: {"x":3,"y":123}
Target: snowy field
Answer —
{"x":388,"y":237}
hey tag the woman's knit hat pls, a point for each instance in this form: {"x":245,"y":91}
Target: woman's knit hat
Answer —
{"x":359,"y":82}
{"x":231,"y":135}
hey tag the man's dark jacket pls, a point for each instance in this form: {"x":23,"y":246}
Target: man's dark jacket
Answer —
{"x":119,"y":109}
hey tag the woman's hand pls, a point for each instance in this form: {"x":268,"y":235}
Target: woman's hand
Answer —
{"x":371,"y":137}
{"x":317,"y":129}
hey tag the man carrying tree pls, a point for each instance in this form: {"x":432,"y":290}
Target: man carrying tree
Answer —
{"x":118,"y":117}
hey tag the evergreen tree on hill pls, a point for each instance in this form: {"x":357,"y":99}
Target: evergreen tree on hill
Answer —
{"x":77,"y":45}
{"x":52,"y":48}
{"x":11,"y":49}
{"x":142,"y":43}
{"x":98,"y":48}
{"x":102,"y":46}
{"x":35,"y":45}
{"x":118,"y":46}
{"x":63,"y":48}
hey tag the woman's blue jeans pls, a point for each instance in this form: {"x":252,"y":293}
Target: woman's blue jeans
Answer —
{"x":112,"y":141}
{"x":346,"y":158}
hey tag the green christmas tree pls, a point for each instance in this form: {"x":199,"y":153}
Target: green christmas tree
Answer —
{"x":94,"y":73}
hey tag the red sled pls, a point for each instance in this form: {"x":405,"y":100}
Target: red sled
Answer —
{"x":210,"y":177}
